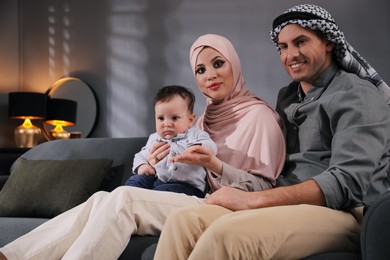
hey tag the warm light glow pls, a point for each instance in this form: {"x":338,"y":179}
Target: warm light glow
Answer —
{"x":27,"y":123}
{"x":59,"y":122}
{"x":58,"y":128}
{"x":58,"y":132}
{"x":27,"y":117}
{"x":27,"y":134}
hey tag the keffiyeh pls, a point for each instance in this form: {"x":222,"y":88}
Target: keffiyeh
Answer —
{"x":317,"y":18}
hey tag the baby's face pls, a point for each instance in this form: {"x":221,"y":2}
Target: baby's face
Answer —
{"x":173,"y":117}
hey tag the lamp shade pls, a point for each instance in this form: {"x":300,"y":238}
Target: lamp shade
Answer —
{"x":61,"y":112}
{"x":27,"y":105}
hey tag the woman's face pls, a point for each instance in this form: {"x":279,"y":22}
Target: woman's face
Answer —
{"x":213,"y":74}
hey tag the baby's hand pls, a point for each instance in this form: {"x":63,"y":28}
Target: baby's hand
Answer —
{"x":158,"y":152}
{"x":146,"y":169}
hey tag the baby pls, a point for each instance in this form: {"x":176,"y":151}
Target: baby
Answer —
{"x":175,"y":118}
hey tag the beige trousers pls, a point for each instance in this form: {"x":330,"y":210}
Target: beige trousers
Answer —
{"x":101,"y":227}
{"x":287,"y":232}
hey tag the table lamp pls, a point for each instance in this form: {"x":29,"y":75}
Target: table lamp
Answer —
{"x":60,"y":113}
{"x":27,"y":106}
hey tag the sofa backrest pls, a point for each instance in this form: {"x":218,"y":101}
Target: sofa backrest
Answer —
{"x":120,"y":150}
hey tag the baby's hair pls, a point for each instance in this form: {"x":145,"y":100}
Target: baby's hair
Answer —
{"x":168,"y":92}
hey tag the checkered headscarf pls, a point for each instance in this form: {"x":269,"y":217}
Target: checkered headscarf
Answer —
{"x":317,"y":18}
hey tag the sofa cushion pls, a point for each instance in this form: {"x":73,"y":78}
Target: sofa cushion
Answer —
{"x":46,"y":188}
{"x":12,"y":228}
{"x":120,"y":150}
{"x":113,"y":178}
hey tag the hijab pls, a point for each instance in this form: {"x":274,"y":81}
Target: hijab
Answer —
{"x":317,"y":18}
{"x":239,"y":123}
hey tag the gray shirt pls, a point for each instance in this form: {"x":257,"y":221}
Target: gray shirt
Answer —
{"x":338,"y":135}
{"x":178,"y":172}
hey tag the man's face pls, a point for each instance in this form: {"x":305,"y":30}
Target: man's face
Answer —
{"x":304,"y":55}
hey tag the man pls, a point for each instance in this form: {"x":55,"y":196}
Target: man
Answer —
{"x":338,"y":142}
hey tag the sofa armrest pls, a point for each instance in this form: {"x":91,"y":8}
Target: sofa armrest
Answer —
{"x":375,"y":233}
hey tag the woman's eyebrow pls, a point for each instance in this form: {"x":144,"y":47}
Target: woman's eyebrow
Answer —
{"x":216,"y":57}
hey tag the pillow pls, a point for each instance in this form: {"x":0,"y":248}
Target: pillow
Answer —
{"x":46,"y":188}
{"x":113,"y":179}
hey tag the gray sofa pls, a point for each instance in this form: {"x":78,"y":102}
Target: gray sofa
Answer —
{"x":375,"y":229}
{"x":120,"y":150}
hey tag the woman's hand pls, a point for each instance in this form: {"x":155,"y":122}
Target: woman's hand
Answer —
{"x":200,"y":155}
{"x":158,"y":152}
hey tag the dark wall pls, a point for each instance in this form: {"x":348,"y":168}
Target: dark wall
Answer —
{"x":9,"y":65}
{"x":126,"y":49}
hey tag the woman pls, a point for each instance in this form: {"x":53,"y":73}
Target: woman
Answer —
{"x":251,"y":153}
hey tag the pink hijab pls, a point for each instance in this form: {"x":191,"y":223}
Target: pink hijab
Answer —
{"x":246,"y":129}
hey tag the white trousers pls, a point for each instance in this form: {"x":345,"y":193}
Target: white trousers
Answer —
{"x":101,"y":227}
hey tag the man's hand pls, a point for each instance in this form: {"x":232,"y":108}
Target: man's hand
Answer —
{"x":230,"y":198}
{"x":307,"y":192}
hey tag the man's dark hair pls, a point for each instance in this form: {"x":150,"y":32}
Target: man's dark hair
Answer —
{"x":168,"y":92}
{"x":320,"y":34}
